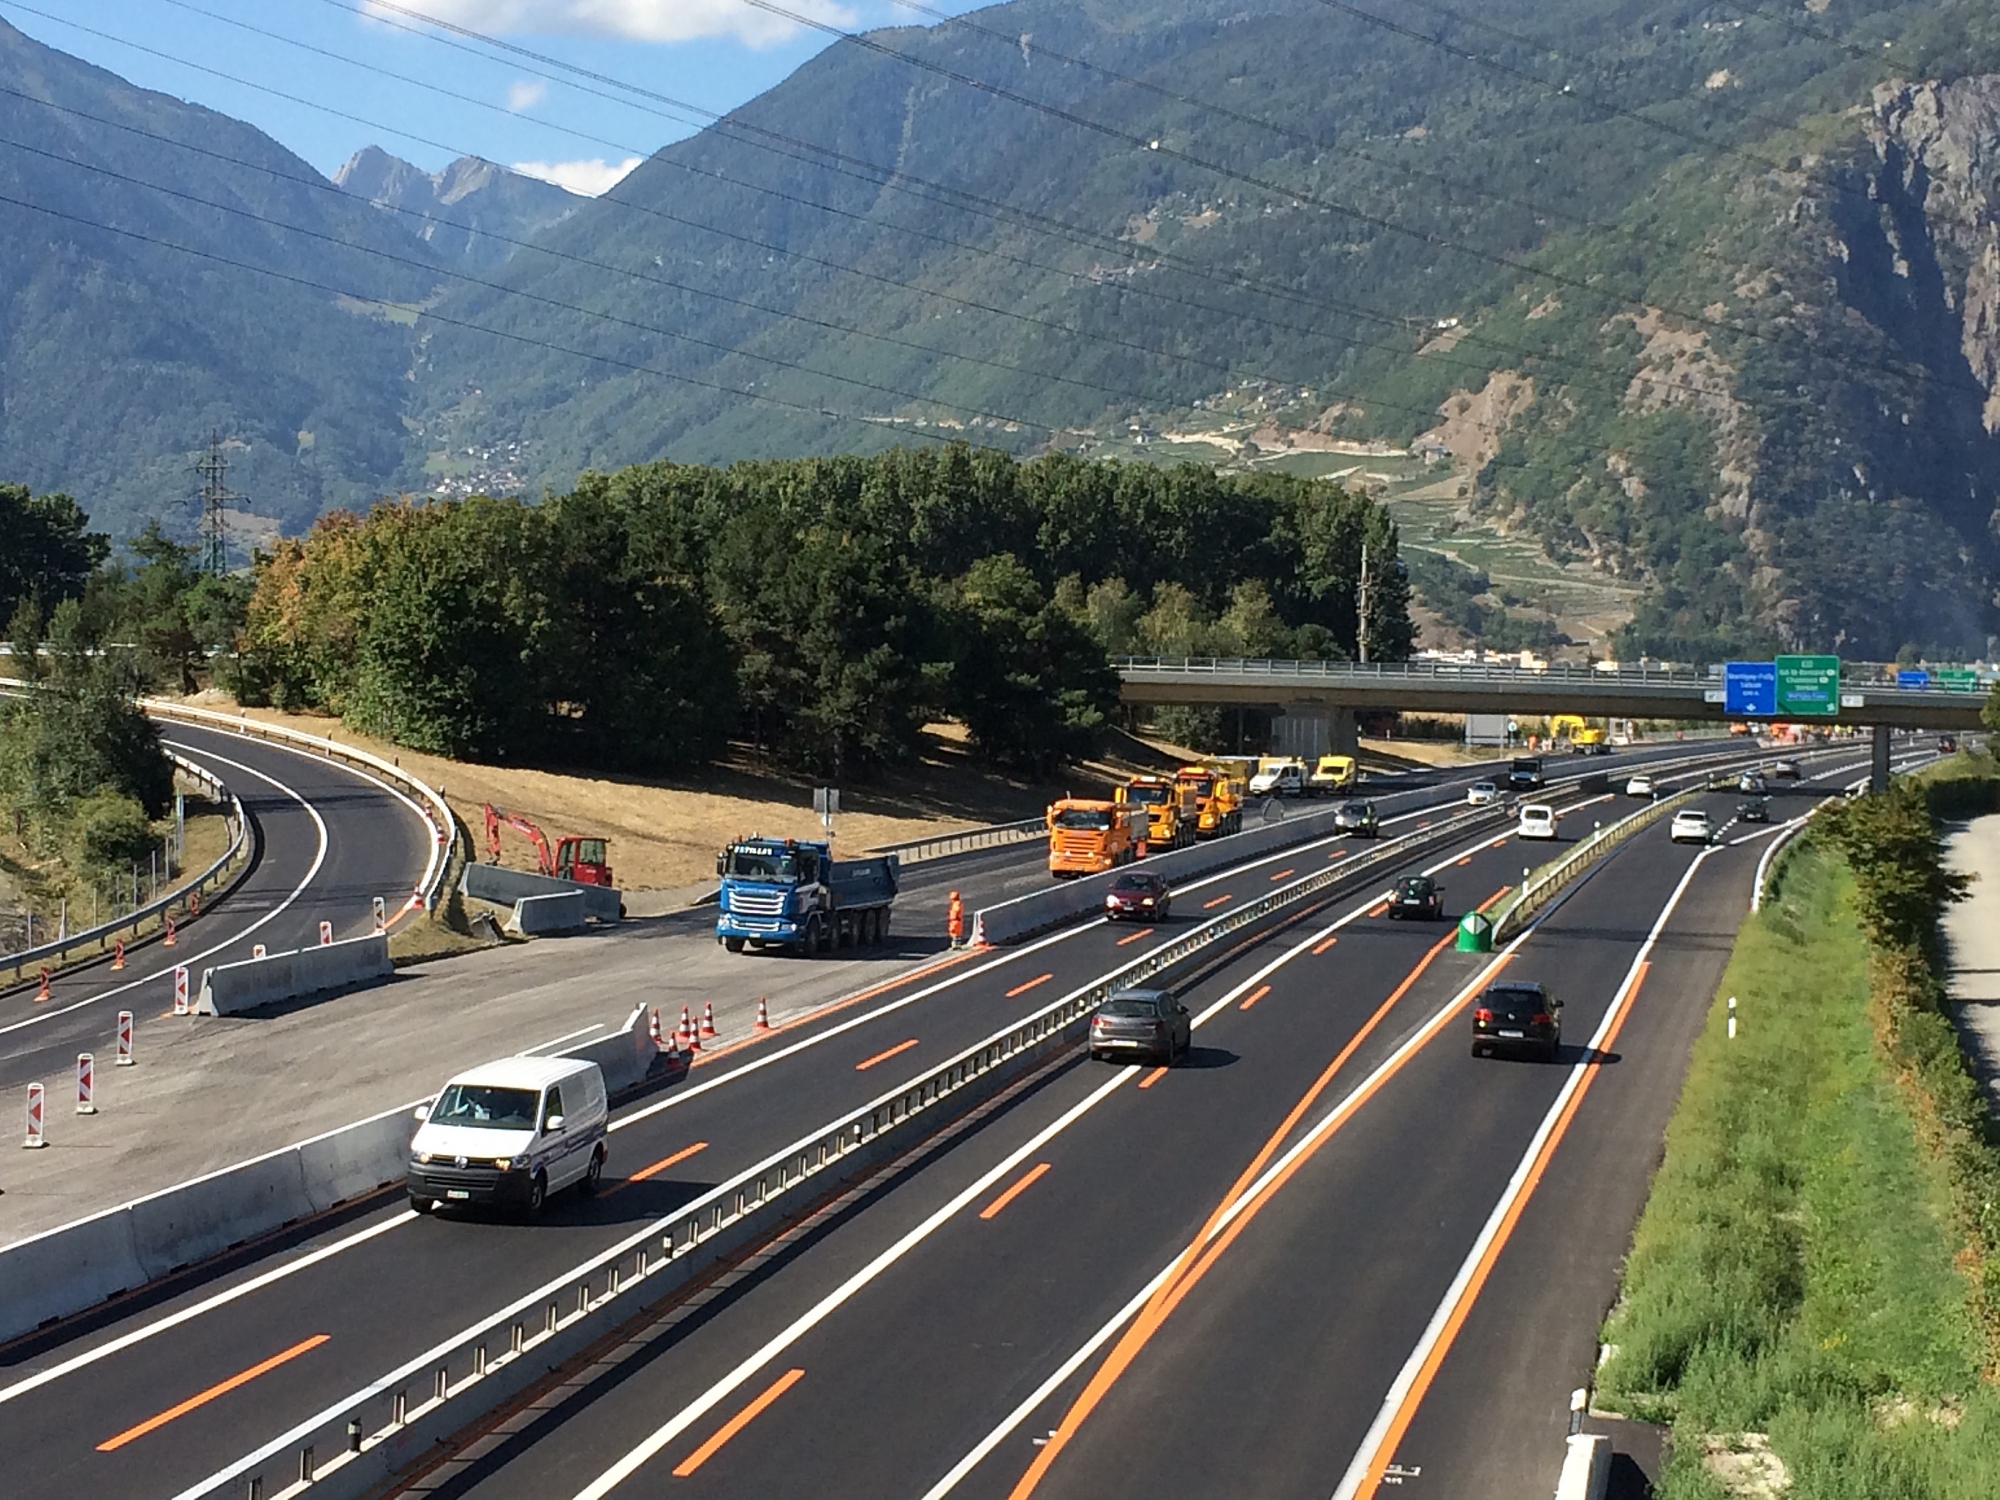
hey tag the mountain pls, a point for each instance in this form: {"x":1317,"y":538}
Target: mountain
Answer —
{"x":473,"y":215}
{"x":165,"y":270}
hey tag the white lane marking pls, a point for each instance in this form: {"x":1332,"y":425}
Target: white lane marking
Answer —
{"x":1517,"y":1185}
{"x":188,"y":963}
{"x":566,"y":1037}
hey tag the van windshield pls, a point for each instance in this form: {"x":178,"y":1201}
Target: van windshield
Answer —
{"x":485,"y":1106}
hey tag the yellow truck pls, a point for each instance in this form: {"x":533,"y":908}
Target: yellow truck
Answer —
{"x":1172,"y":811}
{"x":1218,"y":795}
{"x":1333,"y":776}
{"x":1088,"y":837}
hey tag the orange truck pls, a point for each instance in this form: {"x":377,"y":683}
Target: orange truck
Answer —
{"x":1088,"y":837}
{"x":1218,"y":799}
{"x":1172,"y":810}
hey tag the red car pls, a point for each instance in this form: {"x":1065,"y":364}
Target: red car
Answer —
{"x":1143,"y":898}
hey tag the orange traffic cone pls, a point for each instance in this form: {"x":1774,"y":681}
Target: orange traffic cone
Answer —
{"x":708,"y":1019}
{"x":763,"y":1015}
{"x":118,"y":955}
{"x":168,"y":940}
{"x":653,"y":1030}
{"x":43,"y":992}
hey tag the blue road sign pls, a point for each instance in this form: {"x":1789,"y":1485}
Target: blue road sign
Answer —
{"x":1750,"y":689}
{"x":1908,"y":678}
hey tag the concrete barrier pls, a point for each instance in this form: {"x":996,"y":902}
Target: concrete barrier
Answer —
{"x":228,"y":989}
{"x":536,"y":916}
{"x":601,"y":903}
{"x":67,"y":1270}
{"x":1586,"y":1470}
{"x":626,"y":1056}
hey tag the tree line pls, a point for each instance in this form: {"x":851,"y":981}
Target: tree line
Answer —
{"x":822,"y":609}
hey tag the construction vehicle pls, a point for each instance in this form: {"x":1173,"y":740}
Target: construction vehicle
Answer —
{"x":1088,"y":837}
{"x":784,"y":893}
{"x":1218,"y":794}
{"x":577,"y":857}
{"x":1590,"y":740}
{"x":1172,"y":810}
{"x":1334,"y":776}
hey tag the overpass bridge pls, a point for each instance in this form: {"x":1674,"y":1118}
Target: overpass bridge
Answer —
{"x":1320,"y":698}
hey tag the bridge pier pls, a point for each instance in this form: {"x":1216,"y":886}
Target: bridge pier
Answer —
{"x":1878,"y":771}
{"x":1310,"y":730}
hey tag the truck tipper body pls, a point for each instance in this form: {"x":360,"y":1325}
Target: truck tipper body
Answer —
{"x":1172,"y":810}
{"x":1088,"y":837}
{"x":792,"y":894}
{"x":1218,"y":794}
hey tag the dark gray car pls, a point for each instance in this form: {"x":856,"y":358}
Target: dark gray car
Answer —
{"x":1141,"y":1023}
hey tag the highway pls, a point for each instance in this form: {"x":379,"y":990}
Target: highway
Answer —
{"x":112,"y":1405}
{"x":329,"y":838}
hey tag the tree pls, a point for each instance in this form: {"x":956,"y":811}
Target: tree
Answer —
{"x":49,"y":553}
{"x":1891,"y":842}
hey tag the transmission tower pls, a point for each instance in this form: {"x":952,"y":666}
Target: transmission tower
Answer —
{"x":215,"y":497}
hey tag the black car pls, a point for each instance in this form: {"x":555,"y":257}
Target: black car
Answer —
{"x":1417,"y":896}
{"x":1358,"y":818}
{"x":1144,"y":897}
{"x":1143,"y":1023}
{"x":1755,"y":810}
{"x":1520,"y":1016}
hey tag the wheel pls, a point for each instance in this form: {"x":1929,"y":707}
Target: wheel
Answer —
{"x":734,"y":945}
{"x":1479,"y":1049}
{"x":420,"y":1204}
{"x":1555,"y":1050}
{"x":595,"y":1173}
{"x":538,"y":1194}
{"x":809,"y":944}
{"x":1095,"y":1055}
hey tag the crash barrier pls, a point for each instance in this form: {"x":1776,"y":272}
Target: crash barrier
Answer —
{"x":939,"y":846}
{"x":1760,"y":890}
{"x":228,"y":989}
{"x":470,"y":1374}
{"x":66,"y":1270}
{"x":625,"y":1057}
{"x":545,"y":916}
{"x":179,"y":903}
{"x":1586,"y":1470}
{"x":448,"y":840}
{"x":504,"y":887}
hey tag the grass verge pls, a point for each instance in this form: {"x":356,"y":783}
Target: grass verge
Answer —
{"x":1805,"y":1267}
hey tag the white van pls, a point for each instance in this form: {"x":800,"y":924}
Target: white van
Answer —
{"x":1283,"y":779}
{"x":1538,"y":821}
{"x":510,"y":1133}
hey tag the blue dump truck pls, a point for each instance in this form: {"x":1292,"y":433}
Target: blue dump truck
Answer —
{"x":784,"y":893}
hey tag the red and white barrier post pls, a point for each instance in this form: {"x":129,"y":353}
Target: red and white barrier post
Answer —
{"x":86,"y":1083}
{"x":117,"y":955}
{"x":124,"y":1038}
{"x":256,"y":950}
{"x":326,"y":934}
{"x":180,"y":992}
{"x":169,"y":940}
{"x":36,"y":1137}
{"x":381,"y":915}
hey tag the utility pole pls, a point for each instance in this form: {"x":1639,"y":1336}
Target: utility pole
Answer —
{"x":215,"y":496}
{"x":1361,"y":620}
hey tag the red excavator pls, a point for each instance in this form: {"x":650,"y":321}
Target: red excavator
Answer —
{"x":574,"y":858}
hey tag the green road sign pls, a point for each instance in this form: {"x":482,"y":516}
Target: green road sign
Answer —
{"x":1808,"y":686}
{"x":1958,"y":679}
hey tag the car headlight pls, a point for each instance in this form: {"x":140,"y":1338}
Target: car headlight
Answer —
{"x":505,"y":1162}
{"x":423,"y":1158}
{"x":1111,"y":902}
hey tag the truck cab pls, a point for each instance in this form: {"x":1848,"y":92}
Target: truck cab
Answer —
{"x":1171,"y":810}
{"x":1525,"y":775}
{"x":1088,"y":836}
{"x":1279,"y":777}
{"x":1218,"y":799}
{"x":793,"y":893}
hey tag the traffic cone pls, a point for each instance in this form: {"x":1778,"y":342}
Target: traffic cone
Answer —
{"x":168,"y":940}
{"x":117,"y":955}
{"x":694,"y":1036}
{"x":653,"y":1030}
{"x":687,"y":1021}
{"x":708,"y":1019}
{"x":763,"y":1014}
{"x":43,"y":992}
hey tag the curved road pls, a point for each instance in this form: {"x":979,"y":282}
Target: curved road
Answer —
{"x":329,"y":838}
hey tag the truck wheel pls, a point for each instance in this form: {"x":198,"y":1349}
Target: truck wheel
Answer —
{"x":734,"y":945}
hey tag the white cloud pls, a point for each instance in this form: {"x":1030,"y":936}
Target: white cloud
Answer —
{"x":589,"y":177}
{"x":525,"y":93}
{"x":637,"y":20}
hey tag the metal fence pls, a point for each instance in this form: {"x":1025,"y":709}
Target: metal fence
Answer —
{"x":401,"y":1416}
{"x":939,"y":845}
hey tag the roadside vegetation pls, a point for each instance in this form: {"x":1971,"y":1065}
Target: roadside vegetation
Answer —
{"x":1816,"y":1279}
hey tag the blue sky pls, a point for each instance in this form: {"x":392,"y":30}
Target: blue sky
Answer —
{"x":457,"y":100}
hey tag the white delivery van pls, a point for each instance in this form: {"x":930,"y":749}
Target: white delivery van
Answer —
{"x":509,"y":1133}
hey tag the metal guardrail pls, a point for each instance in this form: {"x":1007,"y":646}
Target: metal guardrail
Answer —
{"x":476,"y":1371}
{"x":938,"y":846}
{"x":151,"y":917}
{"x":1857,"y":673}
{"x":1548,"y":882}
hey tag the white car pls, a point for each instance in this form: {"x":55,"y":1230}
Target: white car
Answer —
{"x":1640,"y":786}
{"x":1691,"y":827}
{"x":1538,"y":821}
{"x":1482,"y":794}
{"x":1785,"y":770}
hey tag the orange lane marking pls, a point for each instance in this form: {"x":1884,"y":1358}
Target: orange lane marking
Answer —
{"x":1216,"y":902}
{"x":1378,"y":908}
{"x":1322,"y":947}
{"x":264,"y":1367}
{"x":1281,"y":875}
{"x":658,"y":1167}
{"x":1148,"y":932}
{"x":1182,"y":1277}
{"x":1467,"y":860}
{"x":737,"y":1423}
{"x":1492,"y":900}
{"x":1255,"y":995}
{"x":1022,"y":989}
{"x":1152,"y":1078}
{"x":867,"y":1063}
{"x":1025,"y":1181}
{"x":712,"y":1053}
{"x":1469,"y":1293}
